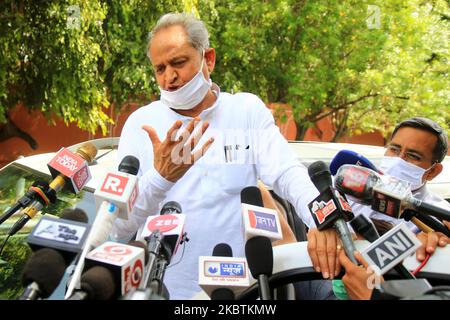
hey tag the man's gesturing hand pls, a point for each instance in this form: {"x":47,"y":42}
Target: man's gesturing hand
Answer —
{"x":173,"y":157}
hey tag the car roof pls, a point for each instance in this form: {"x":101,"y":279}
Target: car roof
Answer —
{"x":306,"y":151}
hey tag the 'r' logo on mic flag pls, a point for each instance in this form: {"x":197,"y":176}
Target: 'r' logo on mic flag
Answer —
{"x":114,"y":184}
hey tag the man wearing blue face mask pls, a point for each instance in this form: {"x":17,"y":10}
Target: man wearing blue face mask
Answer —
{"x":200,"y":147}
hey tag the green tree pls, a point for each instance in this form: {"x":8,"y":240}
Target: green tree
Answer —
{"x":366,"y":64}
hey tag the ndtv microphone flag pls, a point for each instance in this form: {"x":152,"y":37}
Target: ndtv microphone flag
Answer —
{"x":125,"y":261}
{"x":119,"y":188}
{"x":72,"y":166}
{"x":392,"y":248}
{"x":260,"y":221}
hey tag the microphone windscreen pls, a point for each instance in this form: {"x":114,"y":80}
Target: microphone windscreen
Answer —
{"x":349,"y":157}
{"x":222,"y":294}
{"x":171,"y":207}
{"x":252,"y":195}
{"x":142,"y":245}
{"x":363,"y":226}
{"x":320,"y":175}
{"x":45,"y":267}
{"x":74,"y":214}
{"x":99,"y":283}
{"x":130,"y":165}
{"x":222,"y":250}
{"x":259,"y":254}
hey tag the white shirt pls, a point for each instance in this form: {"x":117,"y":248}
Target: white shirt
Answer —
{"x":209,"y":192}
{"x":422,"y":194}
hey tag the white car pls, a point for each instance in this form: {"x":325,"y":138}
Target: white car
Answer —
{"x":16,"y":177}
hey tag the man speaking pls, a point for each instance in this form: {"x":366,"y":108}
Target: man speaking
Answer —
{"x":200,"y":147}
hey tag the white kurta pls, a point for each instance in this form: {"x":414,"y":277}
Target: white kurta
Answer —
{"x":209,"y":192}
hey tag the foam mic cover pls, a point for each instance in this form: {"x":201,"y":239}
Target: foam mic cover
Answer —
{"x":252,"y":195}
{"x":259,"y":254}
{"x":320,"y":175}
{"x":75,"y":214}
{"x":45,"y":267}
{"x":171,"y":207}
{"x":130,"y":165}
{"x":98,"y":283}
{"x":362,"y":225}
{"x":350,"y":157}
{"x":222,"y":294}
{"x":222,"y":250}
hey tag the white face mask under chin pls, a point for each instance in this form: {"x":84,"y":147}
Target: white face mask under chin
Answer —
{"x":189,"y":95}
{"x":403,"y":170}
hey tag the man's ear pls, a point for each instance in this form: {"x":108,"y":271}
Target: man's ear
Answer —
{"x":430,"y":175}
{"x":210,"y":57}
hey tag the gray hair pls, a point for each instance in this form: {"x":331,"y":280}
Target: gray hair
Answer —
{"x":195,"y":29}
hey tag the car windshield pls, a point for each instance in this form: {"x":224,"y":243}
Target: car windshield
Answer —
{"x":15,"y":180}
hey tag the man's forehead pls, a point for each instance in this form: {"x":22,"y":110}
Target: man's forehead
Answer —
{"x":169,"y":42}
{"x":415,"y":139}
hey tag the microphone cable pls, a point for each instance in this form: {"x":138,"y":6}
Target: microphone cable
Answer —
{"x":424,"y":262}
{"x":185,"y":239}
{"x":4,"y":244}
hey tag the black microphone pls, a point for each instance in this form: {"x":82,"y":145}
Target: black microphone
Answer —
{"x":331,"y":208}
{"x":35,"y":193}
{"x":362,"y":225}
{"x":222,"y":250}
{"x":97,"y":283}
{"x":432,"y":222}
{"x":171,"y":207}
{"x":65,"y":235}
{"x":259,"y":254}
{"x":42,"y":274}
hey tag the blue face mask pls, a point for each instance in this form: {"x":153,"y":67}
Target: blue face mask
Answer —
{"x":403,"y":170}
{"x":189,"y":95}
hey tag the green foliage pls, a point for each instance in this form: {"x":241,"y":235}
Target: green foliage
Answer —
{"x":332,"y":58}
{"x":322,"y":57}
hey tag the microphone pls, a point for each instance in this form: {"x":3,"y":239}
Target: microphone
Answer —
{"x":42,"y":274}
{"x":261,"y":226}
{"x":53,"y":239}
{"x":390,"y":249}
{"x":386,"y":194}
{"x":65,"y":235}
{"x":222,"y":276}
{"x":167,"y":226}
{"x":222,"y":250}
{"x":65,"y":167}
{"x":259,"y":221}
{"x":33,"y":194}
{"x":97,"y":283}
{"x":364,"y":226}
{"x":259,"y":254}
{"x":171,"y":207}
{"x":330,"y":208}
{"x":124,"y":262}
{"x":163,"y":234}
{"x":115,"y":198}
{"x":350,"y":157}
{"x":120,"y":187}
